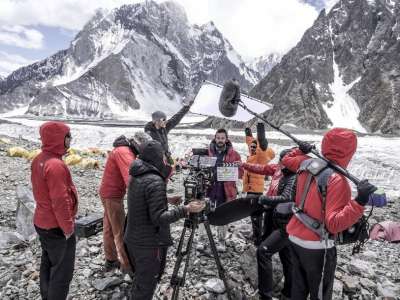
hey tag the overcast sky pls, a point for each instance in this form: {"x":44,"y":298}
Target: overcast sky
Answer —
{"x":31,"y":30}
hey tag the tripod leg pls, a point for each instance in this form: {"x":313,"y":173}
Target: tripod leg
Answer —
{"x":176,"y":281}
{"x":221,"y":271}
{"x":179,"y":257}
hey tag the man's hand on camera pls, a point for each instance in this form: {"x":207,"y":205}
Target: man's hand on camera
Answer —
{"x":195,"y":206}
{"x":175,"y":200}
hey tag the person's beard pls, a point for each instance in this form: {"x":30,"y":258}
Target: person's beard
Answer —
{"x":221,"y":145}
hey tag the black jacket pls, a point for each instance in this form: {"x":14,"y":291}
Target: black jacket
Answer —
{"x":286,"y":193}
{"x":161,"y":134}
{"x":148,"y":214}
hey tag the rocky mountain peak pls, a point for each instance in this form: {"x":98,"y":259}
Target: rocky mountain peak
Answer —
{"x":136,"y":59}
{"x":343,"y":72}
{"x":263,"y":64}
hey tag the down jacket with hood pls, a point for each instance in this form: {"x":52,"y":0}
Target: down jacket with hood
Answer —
{"x":254,"y":182}
{"x":231,"y":156}
{"x":148,"y":215}
{"x":338,"y":145}
{"x":54,"y":192}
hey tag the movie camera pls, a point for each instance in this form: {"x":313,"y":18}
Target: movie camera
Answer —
{"x":200,"y":175}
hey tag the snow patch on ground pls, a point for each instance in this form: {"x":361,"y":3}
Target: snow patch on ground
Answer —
{"x":375,"y":158}
{"x":15,"y":112}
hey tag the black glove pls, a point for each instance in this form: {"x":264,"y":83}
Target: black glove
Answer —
{"x":248,"y":132}
{"x":262,"y":140}
{"x":306,"y":147}
{"x":364,"y":189}
{"x":265,"y":200}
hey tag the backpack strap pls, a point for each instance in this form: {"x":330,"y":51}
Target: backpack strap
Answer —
{"x":318,"y":170}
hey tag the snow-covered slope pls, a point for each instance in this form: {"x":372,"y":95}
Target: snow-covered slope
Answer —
{"x":264,"y":64}
{"x":345,"y":71}
{"x":127,"y":63}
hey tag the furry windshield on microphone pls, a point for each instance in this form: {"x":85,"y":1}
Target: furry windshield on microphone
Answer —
{"x":229,"y":98}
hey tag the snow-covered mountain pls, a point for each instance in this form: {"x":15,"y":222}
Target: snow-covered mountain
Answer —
{"x":263,"y":64}
{"x":345,"y":71}
{"x":130,"y":62}
{"x":318,"y":4}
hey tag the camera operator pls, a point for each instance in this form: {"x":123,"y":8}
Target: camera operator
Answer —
{"x":281,"y":192}
{"x":159,"y":127}
{"x":220,"y":192}
{"x":253,"y":184}
{"x":147,"y":234}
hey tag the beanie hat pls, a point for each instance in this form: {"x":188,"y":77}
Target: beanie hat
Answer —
{"x":158,"y":115}
{"x":153,"y":153}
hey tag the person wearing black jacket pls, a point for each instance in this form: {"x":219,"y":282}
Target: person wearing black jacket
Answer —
{"x":276,"y":237}
{"x":159,"y":127}
{"x":147,"y":236}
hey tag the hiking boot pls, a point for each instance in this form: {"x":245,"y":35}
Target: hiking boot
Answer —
{"x":110,"y":265}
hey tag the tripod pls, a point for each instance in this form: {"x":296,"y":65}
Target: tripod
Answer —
{"x":192,"y":223}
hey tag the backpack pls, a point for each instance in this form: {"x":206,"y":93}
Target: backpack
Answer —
{"x":319,"y":170}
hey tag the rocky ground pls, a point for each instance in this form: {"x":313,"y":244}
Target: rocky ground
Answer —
{"x":372,"y":274}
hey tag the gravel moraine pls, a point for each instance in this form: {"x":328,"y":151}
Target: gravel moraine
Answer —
{"x":372,"y":274}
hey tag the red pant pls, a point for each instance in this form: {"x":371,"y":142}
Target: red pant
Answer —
{"x":113,"y":231}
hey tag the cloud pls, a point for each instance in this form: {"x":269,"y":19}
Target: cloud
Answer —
{"x":68,"y":14}
{"x":21,"y":36}
{"x":11,"y":62}
{"x":254,"y":27}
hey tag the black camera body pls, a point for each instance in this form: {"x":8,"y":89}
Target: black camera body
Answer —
{"x":200,"y":175}
{"x":200,"y":178}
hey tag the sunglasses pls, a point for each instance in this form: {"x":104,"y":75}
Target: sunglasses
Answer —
{"x":253,"y":147}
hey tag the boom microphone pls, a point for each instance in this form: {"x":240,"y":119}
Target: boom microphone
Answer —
{"x":229,"y":98}
{"x":229,"y":101}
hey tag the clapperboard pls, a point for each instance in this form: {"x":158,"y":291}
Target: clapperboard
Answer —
{"x":227,"y":172}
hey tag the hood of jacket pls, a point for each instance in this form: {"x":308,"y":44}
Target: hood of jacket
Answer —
{"x":339,"y":146}
{"x":140,"y":167}
{"x":152,"y":153}
{"x":53,"y":135}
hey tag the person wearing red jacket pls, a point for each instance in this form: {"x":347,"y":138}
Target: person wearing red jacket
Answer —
{"x":56,"y":207}
{"x":314,"y":259}
{"x":112,"y":191}
{"x":222,"y":191}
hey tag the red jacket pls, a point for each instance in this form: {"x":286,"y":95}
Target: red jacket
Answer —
{"x":338,"y":145}
{"x":116,"y":173}
{"x":54,"y":192}
{"x":230,"y":157}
